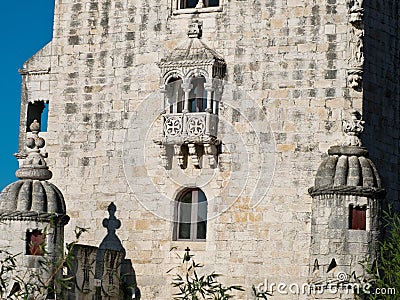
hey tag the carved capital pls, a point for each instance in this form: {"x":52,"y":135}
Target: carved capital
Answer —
{"x":209,"y":87}
{"x":187,"y":86}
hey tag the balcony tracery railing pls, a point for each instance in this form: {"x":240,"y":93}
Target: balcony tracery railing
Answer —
{"x":198,"y":127}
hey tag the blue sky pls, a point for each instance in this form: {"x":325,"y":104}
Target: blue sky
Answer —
{"x":26,"y":27}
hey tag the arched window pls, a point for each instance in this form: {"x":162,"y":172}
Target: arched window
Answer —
{"x":191,"y":216}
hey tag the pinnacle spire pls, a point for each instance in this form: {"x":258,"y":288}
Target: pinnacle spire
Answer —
{"x":34,"y":166}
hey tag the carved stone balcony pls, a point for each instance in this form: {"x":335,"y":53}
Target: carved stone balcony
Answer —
{"x":185,"y":128}
{"x":192,"y":86}
{"x":189,"y":135}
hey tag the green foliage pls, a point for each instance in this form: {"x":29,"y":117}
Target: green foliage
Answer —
{"x":8,"y":264}
{"x":193,"y":286}
{"x":385,"y":272}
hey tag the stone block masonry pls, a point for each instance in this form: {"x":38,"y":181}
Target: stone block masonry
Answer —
{"x":286,"y":68}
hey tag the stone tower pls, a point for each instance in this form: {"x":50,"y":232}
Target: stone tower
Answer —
{"x":32,"y":212}
{"x":205,"y":123}
{"x":346,"y":210}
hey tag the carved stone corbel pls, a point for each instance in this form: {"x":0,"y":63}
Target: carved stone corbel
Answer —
{"x":194,"y":155}
{"x":211,"y":152}
{"x":164,"y":156}
{"x":179,"y":156}
{"x":196,"y":27}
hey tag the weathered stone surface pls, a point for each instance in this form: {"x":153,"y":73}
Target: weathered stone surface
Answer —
{"x":286,"y":64}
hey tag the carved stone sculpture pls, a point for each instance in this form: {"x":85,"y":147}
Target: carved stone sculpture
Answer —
{"x":356,"y":11}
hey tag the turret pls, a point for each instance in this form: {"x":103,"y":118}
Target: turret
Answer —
{"x":33,"y":212}
{"x":347,"y":197}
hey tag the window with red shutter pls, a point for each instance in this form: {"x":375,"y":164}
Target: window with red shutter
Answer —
{"x":358,"y":217}
{"x":34,"y":242}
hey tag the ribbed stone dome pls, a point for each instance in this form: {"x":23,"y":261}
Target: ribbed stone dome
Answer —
{"x":32,"y":196}
{"x":347,"y":169}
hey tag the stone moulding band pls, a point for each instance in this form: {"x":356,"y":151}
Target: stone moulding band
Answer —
{"x":34,"y":72}
{"x":377,"y":193}
{"x":7,"y":215}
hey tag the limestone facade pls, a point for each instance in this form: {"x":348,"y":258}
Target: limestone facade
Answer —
{"x":285,"y":94}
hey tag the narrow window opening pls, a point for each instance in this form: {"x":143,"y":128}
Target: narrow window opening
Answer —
{"x":34,"y":242}
{"x":39,"y":111}
{"x":191,"y":216}
{"x":358,"y":217}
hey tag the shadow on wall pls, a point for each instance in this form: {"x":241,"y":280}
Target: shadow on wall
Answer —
{"x":381,"y":85}
{"x":103,"y":272}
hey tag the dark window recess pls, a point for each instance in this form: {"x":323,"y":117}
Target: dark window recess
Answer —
{"x":39,"y":111}
{"x":178,"y":96}
{"x":198,"y":96}
{"x":191,"y":216}
{"x":34,"y":242}
{"x":358,"y":217}
{"x":193,"y":3}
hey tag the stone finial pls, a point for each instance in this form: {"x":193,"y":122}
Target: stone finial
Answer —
{"x":353,"y":130}
{"x":34,"y":166}
{"x":195,"y":29}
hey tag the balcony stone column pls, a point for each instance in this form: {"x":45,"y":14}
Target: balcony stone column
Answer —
{"x":209,"y":88}
{"x":186,"y":87}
